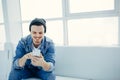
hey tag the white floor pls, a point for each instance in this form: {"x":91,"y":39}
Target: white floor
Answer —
{"x":59,"y":78}
{"x":66,"y":78}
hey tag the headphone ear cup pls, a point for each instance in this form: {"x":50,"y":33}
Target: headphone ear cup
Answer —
{"x":44,"y":23}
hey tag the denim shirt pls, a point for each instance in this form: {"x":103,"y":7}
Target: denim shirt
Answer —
{"x":25,"y":46}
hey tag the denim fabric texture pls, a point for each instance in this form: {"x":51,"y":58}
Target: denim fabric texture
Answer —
{"x":25,"y":46}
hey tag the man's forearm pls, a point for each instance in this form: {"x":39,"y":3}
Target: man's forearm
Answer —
{"x":46,"y":66}
{"x":22,"y":61}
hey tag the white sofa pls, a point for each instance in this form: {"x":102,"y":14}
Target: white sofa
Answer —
{"x":58,"y":78}
{"x":8,"y":55}
{"x":87,"y":63}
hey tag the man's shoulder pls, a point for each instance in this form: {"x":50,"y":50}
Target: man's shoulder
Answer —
{"x":26,"y":39}
{"x":47,"y":39}
{"x":48,"y":42}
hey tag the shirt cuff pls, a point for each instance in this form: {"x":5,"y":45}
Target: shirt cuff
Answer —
{"x":16,"y":65}
{"x":51,"y":66}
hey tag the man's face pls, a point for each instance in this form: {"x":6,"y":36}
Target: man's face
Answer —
{"x":37,"y":33}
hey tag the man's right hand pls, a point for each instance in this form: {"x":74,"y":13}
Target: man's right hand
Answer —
{"x":28,"y":56}
{"x":22,"y":60}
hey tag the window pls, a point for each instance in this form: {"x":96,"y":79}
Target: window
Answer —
{"x":25,"y":29}
{"x":47,"y":9}
{"x":2,"y":29}
{"x":2,"y":37}
{"x":77,"y":6}
{"x":76,"y":22}
{"x":93,"y":32}
{"x":31,"y":9}
{"x":1,"y":14}
{"x":54,"y":31}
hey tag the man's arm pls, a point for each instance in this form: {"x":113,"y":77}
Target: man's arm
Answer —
{"x":47,"y":62}
{"x":50,"y":57}
{"x":39,"y":61}
{"x":21,"y":61}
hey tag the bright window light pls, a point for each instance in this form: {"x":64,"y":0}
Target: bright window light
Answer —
{"x":25,"y":29}
{"x":1,"y":12}
{"x":54,"y":31}
{"x":77,"y":6}
{"x":93,"y":32}
{"x":41,"y":8}
{"x":2,"y":37}
{"x":2,"y":29}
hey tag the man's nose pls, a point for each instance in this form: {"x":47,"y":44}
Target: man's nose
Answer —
{"x":37,"y":35}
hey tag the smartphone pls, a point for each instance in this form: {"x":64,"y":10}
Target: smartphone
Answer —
{"x":36,"y":52}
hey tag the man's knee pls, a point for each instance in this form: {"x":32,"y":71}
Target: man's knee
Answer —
{"x":51,"y":77}
{"x":15,"y":74}
{"x":47,"y":75}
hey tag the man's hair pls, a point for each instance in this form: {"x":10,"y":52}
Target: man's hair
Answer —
{"x":38,"y":22}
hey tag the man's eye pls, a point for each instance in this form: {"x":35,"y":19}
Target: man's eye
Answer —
{"x":40,"y":33}
{"x":34,"y":32}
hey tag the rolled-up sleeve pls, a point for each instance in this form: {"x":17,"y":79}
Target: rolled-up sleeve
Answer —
{"x":50,"y":56}
{"x":51,"y":66}
{"x":16,"y":64}
{"x":50,"y":69}
{"x":19,"y":53}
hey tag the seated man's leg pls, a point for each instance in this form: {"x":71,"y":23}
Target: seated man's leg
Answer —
{"x":44,"y":75}
{"x":18,"y":74}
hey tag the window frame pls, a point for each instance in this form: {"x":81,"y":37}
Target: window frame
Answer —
{"x":66,"y":15}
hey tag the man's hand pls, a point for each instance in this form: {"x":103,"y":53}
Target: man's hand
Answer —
{"x":22,"y":60}
{"x":39,"y":61}
{"x":28,"y":56}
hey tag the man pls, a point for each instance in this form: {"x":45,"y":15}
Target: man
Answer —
{"x":35,"y":54}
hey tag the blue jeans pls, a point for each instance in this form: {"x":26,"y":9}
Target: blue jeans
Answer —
{"x":19,"y":74}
